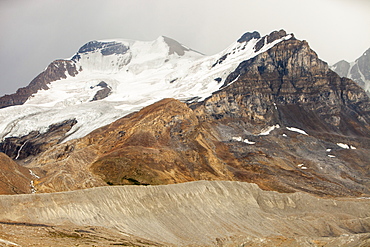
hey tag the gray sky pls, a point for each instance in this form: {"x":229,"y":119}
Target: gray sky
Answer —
{"x":33,"y":33}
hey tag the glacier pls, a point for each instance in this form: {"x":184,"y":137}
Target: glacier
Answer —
{"x":138,"y":73}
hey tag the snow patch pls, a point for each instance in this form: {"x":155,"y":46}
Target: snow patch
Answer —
{"x":33,"y":189}
{"x":346,"y":146}
{"x":331,"y":156}
{"x":34,"y":174}
{"x":20,"y":149}
{"x":8,"y":242}
{"x":240,"y":139}
{"x":302,"y":166}
{"x":268,"y":130}
{"x":297,"y":130}
{"x":249,"y":142}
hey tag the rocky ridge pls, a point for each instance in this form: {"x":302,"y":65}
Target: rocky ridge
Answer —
{"x":58,"y":69}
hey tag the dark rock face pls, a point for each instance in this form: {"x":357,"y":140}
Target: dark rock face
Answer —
{"x":106,"y":48}
{"x":249,"y":36}
{"x":102,"y":93}
{"x":20,"y":148}
{"x":275,"y":35}
{"x":55,"y":71}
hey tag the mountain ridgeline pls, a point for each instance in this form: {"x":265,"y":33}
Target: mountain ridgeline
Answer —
{"x":154,"y":144}
{"x":281,"y":118}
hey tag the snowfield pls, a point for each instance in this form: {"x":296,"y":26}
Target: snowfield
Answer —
{"x":138,"y":74}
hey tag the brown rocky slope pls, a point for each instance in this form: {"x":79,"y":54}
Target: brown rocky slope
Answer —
{"x":165,"y":143}
{"x":14,"y":179}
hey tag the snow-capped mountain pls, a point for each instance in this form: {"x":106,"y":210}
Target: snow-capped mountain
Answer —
{"x":359,"y":70}
{"x":108,"y":79}
{"x":266,"y":110}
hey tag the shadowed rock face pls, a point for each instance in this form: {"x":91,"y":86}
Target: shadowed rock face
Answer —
{"x":200,"y":213}
{"x":249,"y":36}
{"x":175,"y":47}
{"x":28,"y":146}
{"x":105,"y":48}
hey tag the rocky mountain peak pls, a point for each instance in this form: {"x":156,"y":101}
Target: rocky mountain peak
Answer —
{"x":270,"y":38}
{"x":175,"y":47}
{"x":248,"y":36}
{"x":105,"y":48}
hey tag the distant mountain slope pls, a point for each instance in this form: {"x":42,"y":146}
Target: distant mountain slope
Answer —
{"x":359,"y":71}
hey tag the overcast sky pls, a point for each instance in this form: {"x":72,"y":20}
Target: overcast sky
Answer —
{"x":33,"y":33}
